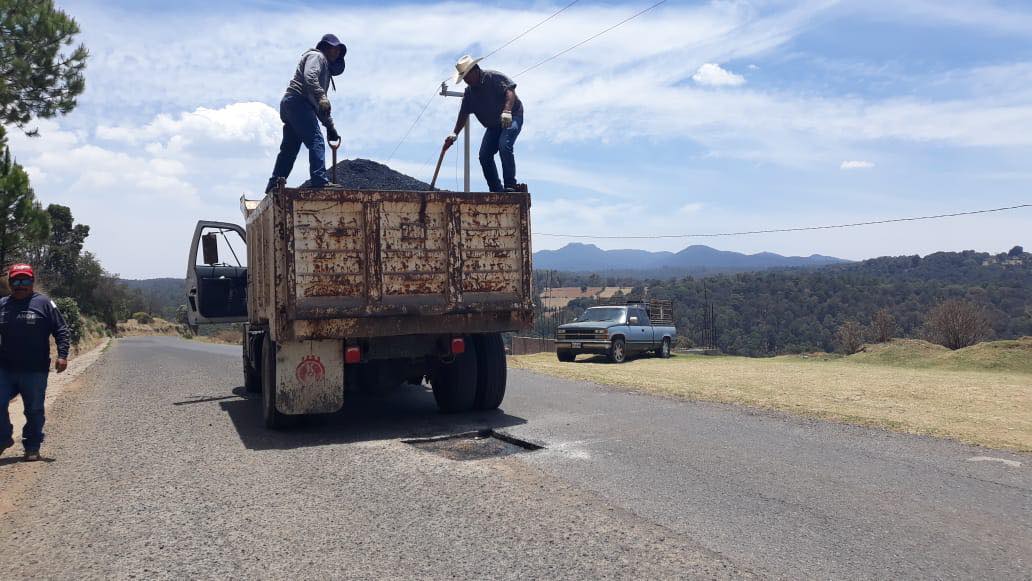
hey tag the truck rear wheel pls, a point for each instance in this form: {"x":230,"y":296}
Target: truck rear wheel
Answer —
{"x":664,"y":350}
{"x":491,"y":371}
{"x":455,"y":383}
{"x":274,"y":420}
{"x":252,"y":369}
{"x":617,"y":351}
{"x":566,"y":356}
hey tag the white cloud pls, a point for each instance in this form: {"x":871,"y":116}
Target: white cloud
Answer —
{"x":713,"y":75}
{"x":856,"y":164}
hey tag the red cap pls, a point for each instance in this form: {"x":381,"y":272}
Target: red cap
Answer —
{"x":20,"y":270}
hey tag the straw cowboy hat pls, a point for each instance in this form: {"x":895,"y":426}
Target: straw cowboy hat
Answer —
{"x":465,"y":65}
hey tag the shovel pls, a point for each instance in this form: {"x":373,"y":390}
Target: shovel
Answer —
{"x":437,"y":170}
{"x":333,"y":169}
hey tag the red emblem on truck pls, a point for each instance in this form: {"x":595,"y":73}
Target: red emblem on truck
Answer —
{"x":310,"y":370}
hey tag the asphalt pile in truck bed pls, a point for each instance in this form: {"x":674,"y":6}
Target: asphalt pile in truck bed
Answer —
{"x":364,"y":174}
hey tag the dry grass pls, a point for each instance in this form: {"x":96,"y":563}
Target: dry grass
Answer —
{"x":991,"y":408}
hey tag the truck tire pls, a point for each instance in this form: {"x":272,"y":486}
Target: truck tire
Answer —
{"x":491,"y":371}
{"x":253,"y":370}
{"x":664,"y":350}
{"x":566,"y":356}
{"x":274,"y":420}
{"x":455,"y":384}
{"x":617,"y":351}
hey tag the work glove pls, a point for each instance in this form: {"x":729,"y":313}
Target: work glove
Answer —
{"x":332,"y":135}
{"x":324,"y":105}
{"x":506,"y":119}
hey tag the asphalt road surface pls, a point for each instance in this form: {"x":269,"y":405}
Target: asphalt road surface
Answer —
{"x":159,"y":468}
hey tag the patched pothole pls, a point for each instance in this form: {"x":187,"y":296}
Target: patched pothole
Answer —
{"x":477,"y":445}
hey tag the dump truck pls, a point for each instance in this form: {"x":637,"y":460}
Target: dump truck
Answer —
{"x":343,"y":289}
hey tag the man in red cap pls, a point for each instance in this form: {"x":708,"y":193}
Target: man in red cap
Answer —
{"x":27,"y":321}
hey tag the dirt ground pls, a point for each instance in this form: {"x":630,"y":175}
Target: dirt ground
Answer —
{"x":977,"y":406}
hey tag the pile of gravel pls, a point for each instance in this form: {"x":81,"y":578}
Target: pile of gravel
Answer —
{"x":364,"y":174}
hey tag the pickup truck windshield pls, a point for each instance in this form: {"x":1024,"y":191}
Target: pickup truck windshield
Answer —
{"x":608,"y":314}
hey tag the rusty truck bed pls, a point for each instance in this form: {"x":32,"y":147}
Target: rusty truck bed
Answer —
{"x":335,"y":263}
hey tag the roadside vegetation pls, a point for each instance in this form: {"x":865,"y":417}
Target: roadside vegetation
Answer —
{"x":952,"y":298}
{"x":980,"y":394}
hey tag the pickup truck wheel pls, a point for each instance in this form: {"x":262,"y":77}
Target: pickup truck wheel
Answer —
{"x":617,"y":352}
{"x":664,"y":350}
{"x":274,"y":420}
{"x":491,"y":371}
{"x":455,"y":383}
{"x":253,"y":371}
{"x":566,"y":356}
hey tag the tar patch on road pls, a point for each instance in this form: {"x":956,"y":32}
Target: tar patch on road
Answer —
{"x":477,"y":445}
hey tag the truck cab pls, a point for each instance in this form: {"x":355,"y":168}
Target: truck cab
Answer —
{"x":618,"y":331}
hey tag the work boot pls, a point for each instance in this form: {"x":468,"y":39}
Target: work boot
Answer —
{"x":5,"y":446}
{"x":274,"y":183}
{"x":32,"y":456}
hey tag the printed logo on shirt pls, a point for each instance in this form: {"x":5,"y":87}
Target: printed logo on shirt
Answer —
{"x":30,"y":317}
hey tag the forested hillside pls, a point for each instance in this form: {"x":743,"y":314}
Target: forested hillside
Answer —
{"x":801,"y":310}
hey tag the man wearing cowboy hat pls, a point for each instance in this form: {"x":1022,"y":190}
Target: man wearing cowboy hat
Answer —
{"x":304,"y":106}
{"x":27,"y":321}
{"x":491,"y":96}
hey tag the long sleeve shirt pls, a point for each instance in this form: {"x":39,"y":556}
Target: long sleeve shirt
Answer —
{"x":312,"y":80}
{"x":25,"y":330}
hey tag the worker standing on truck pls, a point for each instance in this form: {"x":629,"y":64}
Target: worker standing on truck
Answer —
{"x":304,"y":106}
{"x":27,"y":321}
{"x":491,"y":96}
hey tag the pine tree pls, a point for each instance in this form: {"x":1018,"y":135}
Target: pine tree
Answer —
{"x":24,"y":224}
{"x":39,"y":78}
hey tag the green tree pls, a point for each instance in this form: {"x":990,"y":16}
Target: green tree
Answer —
{"x":63,"y":248}
{"x":72,"y":316}
{"x":42,"y":73}
{"x":24,"y":224}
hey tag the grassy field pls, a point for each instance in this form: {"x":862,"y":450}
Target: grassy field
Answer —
{"x":980,"y":395}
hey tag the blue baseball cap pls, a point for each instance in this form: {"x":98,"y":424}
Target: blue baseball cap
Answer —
{"x":331,"y":40}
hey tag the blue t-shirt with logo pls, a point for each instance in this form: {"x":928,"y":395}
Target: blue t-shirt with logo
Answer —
{"x":25,"y":330}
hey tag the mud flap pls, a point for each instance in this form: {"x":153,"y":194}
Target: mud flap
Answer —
{"x":309,"y":377}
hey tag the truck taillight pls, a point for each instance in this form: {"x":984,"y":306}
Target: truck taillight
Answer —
{"x":353,"y":354}
{"x":458,"y":346}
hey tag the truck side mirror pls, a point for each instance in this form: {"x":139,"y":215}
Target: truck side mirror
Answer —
{"x":633,"y":320}
{"x":210,"y":248}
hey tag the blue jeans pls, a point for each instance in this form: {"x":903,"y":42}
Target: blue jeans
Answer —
{"x":32,"y":386}
{"x":300,"y":125}
{"x":500,"y":141}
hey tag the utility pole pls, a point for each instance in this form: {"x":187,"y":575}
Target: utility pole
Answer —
{"x":465,"y":175}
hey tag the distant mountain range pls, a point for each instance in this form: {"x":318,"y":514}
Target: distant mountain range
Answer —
{"x":577,"y":257}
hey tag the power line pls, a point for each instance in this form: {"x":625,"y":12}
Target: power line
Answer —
{"x":590,"y":38}
{"x":428,"y":101}
{"x":411,"y":127}
{"x":800,"y":229}
{"x":529,"y":30}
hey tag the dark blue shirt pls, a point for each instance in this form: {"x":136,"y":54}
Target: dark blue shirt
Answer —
{"x":486,"y":99}
{"x":25,"y":330}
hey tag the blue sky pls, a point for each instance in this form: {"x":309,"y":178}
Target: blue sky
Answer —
{"x":696,"y":117}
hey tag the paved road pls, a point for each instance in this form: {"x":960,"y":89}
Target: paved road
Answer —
{"x":161,"y":469}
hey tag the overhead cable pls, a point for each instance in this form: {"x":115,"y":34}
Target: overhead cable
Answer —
{"x":435,"y":93}
{"x":800,"y":229}
{"x":529,"y":30}
{"x":590,"y":38}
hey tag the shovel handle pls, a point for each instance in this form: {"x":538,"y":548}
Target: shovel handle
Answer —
{"x":437,"y":170}
{"x":333,"y":169}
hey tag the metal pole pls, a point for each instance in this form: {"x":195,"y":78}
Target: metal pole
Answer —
{"x":446,"y":93}
{"x":465,"y":175}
